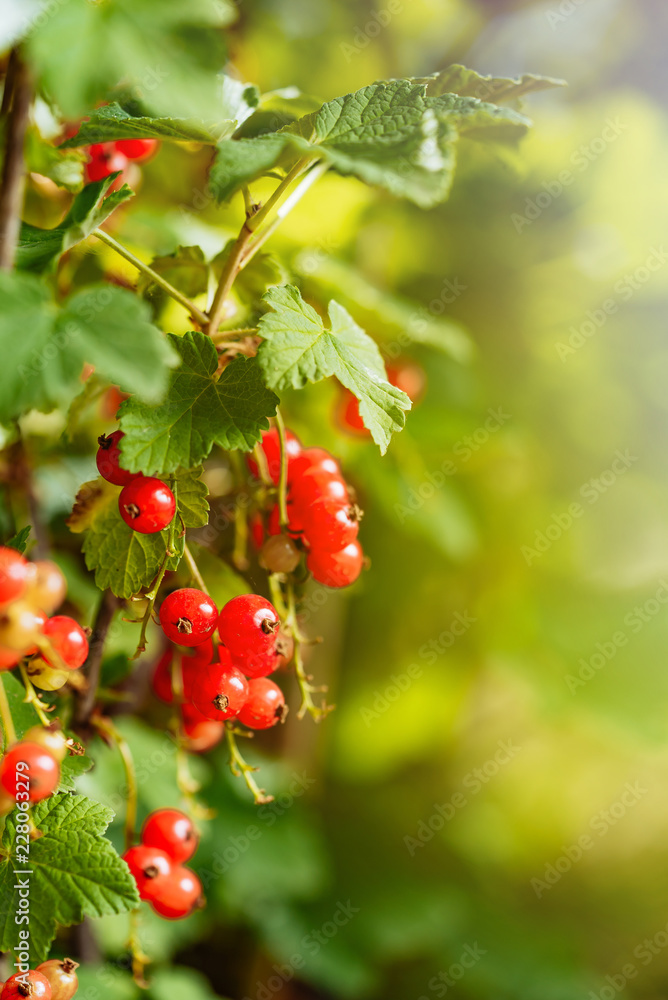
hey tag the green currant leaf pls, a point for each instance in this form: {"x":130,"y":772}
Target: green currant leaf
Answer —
{"x":240,"y":161}
{"x":46,"y":348}
{"x":192,"y":498}
{"x":38,"y":248}
{"x":297,"y":348}
{"x":75,"y":872}
{"x":19,"y":541}
{"x":169,"y":53}
{"x":23,"y":713}
{"x":186,"y":269}
{"x":201,"y":409}
{"x":256,"y":277}
{"x":457,"y":79}
{"x":111,"y":123}
{"x":71,"y":767}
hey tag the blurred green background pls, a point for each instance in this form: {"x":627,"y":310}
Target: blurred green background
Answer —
{"x":484,"y":815}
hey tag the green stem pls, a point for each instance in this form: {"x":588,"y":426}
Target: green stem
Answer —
{"x":222,"y":335}
{"x":239,"y":766}
{"x":6,"y":716}
{"x":32,"y":698}
{"x":283,"y":473}
{"x":194,"y":568}
{"x":106,"y":728}
{"x":317,"y":712}
{"x":229,"y":273}
{"x":258,"y":218}
{"x":194,"y":311}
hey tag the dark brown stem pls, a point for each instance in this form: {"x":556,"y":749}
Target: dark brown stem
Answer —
{"x":11,"y":187}
{"x":93,"y":664}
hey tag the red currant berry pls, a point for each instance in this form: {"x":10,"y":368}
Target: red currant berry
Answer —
{"x":317,"y":484}
{"x":201,"y":734}
{"x":313,"y":458}
{"x":348,"y":414}
{"x":147,"y":505}
{"x":272,"y":449}
{"x":177,"y":896}
{"x":336,"y":569}
{"x":137,"y":149}
{"x":15,"y":573}
{"x":256,"y":525}
{"x":108,"y":460}
{"x":295,"y":526}
{"x":9,"y":658}
{"x":68,"y":640}
{"x":30,"y":984}
{"x":162,"y":675}
{"x":408,"y":377}
{"x":280,"y":554}
{"x":330,"y":525}
{"x":30,"y":763}
{"x":188,"y":617}
{"x":170,"y":831}
{"x":105,"y":159}
{"x":62,"y":977}
{"x":147,"y":865}
{"x":265,"y":705}
{"x":220,"y":692}
{"x":248,"y":623}
{"x":258,"y":664}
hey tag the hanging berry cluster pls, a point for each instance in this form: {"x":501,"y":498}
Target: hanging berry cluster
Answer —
{"x":105,"y":158}
{"x":168,"y":839}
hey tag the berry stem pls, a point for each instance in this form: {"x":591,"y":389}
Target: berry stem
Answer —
{"x":283,"y":473}
{"x":194,"y":569}
{"x":6,"y":716}
{"x":239,"y":766}
{"x":184,"y":779}
{"x":196,"y":313}
{"x":317,"y":712}
{"x":262,"y":466}
{"x":106,"y":728}
{"x":32,"y":698}
{"x":137,"y":954}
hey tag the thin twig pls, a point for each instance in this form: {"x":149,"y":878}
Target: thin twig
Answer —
{"x":13,"y":170}
{"x":229,"y":273}
{"x":194,"y":568}
{"x":239,"y":766}
{"x":195,"y":312}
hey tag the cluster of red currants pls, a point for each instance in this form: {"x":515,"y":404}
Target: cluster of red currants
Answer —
{"x":107,"y":158}
{"x":52,"y":980}
{"x":146,"y":504}
{"x":29,"y":592}
{"x":323,"y":518}
{"x":168,"y":839}
{"x":229,"y":684}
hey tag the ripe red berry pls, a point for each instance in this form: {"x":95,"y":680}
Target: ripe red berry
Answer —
{"x":272,"y":449}
{"x":336,"y":569}
{"x":317,"y":484}
{"x":147,"y":865}
{"x":137,"y":149}
{"x":256,"y":525}
{"x":220,"y":692}
{"x":15,"y":573}
{"x":62,"y":977}
{"x":30,"y":984}
{"x":295,"y":526}
{"x":147,"y":505}
{"x":177,"y":896}
{"x":331,"y":525}
{"x":248,"y":623}
{"x":265,"y":705}
{"x":313,"y":458}
{"x":108,"y":460}
{"x":105,"y":159}
{"x":170,"y":831}
{"x":69,"y":641}
{"x":188,"y":616}
{"x":29,"y":767}
{"x":201,"y":734}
